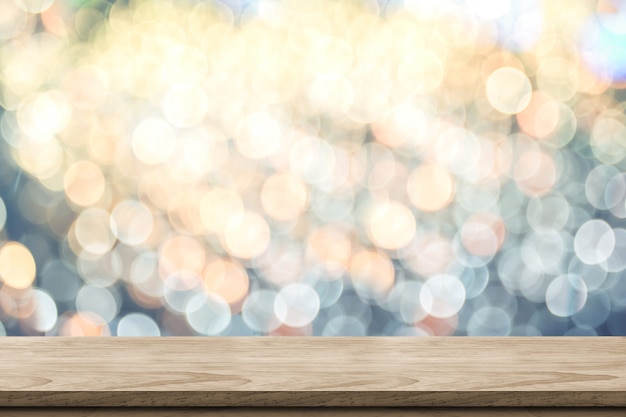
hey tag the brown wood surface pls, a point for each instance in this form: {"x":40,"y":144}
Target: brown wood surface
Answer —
{"x":310,"y":371}
{"x":314,"y":412}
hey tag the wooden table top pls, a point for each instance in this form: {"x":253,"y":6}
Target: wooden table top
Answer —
{"x":313,"y":371}
{"x":313,"y":412}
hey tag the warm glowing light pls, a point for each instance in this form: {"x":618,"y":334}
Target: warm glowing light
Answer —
{"x":403,"y":124}
{"x":92,"y":231}
{"x":391,"y":225}
{"x":558,"y":78}
{"x":17,"y":265}
{"x":489,"y":9}
{"x":185,"y":105}
{"x":246,"y":236}
{"x":217,"y":207}
{"x":331,"y":247}
{"x":483,"y":234}
{"x":430,"y":254}
{"x":86,"y":87}
{"x":420,"y":72}
{"x":183,"y":256}
{"x":227,"y":279}
{"x":284,"y":197}
{"x":34,"y":6}
{"x":430,"y":187}
{"x":43,"y":160}
{"x":85,"y":324}
{"x":535,"y":173}
{"x":260,"y":136}
{"x":153,"y":141}
{"x":131,"y":222}
{"x":84,"y":183}
{"x":541,"y":117}
{"x":343,"y":169}
{"x":372,"y":272}
{"x":331,"y":93}
{"x":43,"y":115}
{"x":508,"y":90}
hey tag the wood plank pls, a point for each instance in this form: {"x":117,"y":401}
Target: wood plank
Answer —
{"x":308,"y":371}
{"x":315,"y":412}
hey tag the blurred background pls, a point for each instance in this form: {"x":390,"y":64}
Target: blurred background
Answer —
{"x":255,"y":167}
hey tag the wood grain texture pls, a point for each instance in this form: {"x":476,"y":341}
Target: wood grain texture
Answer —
{"x":312,"y":371}
{"x":314,"y":412}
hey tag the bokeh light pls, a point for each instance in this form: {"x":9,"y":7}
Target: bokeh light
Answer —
{"x":212,"y":167}
{"x":17,"y":265}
